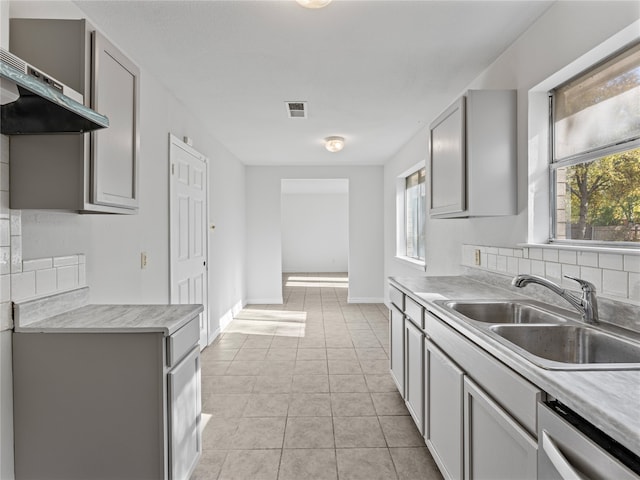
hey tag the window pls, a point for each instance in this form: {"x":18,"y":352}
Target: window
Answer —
{"x":415,"y":212}
{"x":595,"y":131}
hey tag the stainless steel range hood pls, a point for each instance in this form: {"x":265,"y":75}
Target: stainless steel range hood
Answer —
{"x":34,"y":103}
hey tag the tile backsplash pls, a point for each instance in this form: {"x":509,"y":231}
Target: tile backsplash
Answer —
{"x":615,"y":275}
{"x":45,"y":276}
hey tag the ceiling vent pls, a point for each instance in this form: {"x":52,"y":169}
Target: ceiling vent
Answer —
{"x":296,"y":109}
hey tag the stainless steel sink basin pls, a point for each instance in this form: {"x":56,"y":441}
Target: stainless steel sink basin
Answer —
{"x":503,"y":311}
{"x":570,"y":344}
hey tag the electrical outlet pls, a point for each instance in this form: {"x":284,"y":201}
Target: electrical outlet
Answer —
{"x":477,"y":256}
{"x":143,"y":260}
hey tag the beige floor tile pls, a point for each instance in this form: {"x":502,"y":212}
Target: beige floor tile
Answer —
{"x":245,"y":367}
{"x":284,"y":342}
{"x":365,"y":464}
{"x":272,"y":384}
{"x":380,"y":383}
{"x":371,"y":354}
{"x":389,"y":404}
{"x":218,"y":353}
{"x":311,"y":342}
{"x":341,"y":341}
{"x":351,"y":404}
{"x":267,"y":405}
{"x":251,"y":354}
{"x":218,"y":433}
{"x":413,"y":463}
{"x":312,"y":354}
{"x":310,"y":405}
{"x":401,"y":431}
{"x":347,"y":383}
{"x":310,"y":384}
{"x":228,"y":384}
{"x":309,"y":432}
{"x":375,"y":366}
{"x":258,"y":341}
{"x":281,"y":354}
{"x":344,"y":367}
{"x":215,"y":367}
{"x":311,"y":464}
{"x":278,"y":367}
{"x":251,"y":464}
{"x":358,"y":432}
{"x":226,"y":406}
{"x":209,"y":465}
{"x":341,"y":353}
{"x":255,"y":433}
{"x":310,"y":367}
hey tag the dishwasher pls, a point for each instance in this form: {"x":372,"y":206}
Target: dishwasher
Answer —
{"x":570,"y":448}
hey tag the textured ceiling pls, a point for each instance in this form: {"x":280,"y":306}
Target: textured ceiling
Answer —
{"x":374,"y":72}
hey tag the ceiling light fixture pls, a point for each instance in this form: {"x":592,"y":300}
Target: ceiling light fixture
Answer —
{"x":334,"y":144}
{"x":314,"y":3}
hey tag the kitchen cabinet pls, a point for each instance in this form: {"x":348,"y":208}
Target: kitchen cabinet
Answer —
{"x":444,"y":411}
{"x":396,"y":337}
{"x":94,"y":172}
{"x":414,"y":373}
{"x":495,"y":445}
{"x":107,"y":405}
{"x":473,"y":156}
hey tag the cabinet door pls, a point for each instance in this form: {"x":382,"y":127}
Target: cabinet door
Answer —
{"x":414,"y":373}
{"x":396,"y":337}
{"x":448,"y":162}
{"x":444,"y":412}
{"x":114,"y":150}
{"x":185,"y":443}
{"x":496,"y":446}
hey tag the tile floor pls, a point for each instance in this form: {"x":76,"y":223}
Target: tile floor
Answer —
{"x":302,"y":391}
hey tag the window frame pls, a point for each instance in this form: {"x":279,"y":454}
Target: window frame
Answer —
{"x":421,"y":173}
{"x":401,"y":213}
{"x":582,"y":158}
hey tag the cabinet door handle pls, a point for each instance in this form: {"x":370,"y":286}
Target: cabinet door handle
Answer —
{"x":565,"y":469}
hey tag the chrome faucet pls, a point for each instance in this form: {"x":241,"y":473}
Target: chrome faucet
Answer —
{"x":586,"y":304}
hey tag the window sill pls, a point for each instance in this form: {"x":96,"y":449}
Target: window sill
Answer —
{"x":584,"y":248}
{"x":417,"y":264}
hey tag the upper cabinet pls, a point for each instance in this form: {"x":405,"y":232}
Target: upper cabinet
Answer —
{"x":472,"y":153}
{"x":89,"y":173}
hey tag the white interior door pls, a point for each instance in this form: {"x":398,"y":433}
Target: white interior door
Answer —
{"x":189,"y":213}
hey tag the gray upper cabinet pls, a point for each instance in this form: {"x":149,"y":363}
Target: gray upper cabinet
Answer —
{"x":89,"y":173}
{"x":473,"y":158}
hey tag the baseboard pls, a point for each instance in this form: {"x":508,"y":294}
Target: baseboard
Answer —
{"x":264,"y":301}
{"x":365,"y":300}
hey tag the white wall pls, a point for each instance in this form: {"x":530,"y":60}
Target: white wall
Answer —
{"x":315,"y":232}
{"x":565,"y":32}
{"x":264,"y":241}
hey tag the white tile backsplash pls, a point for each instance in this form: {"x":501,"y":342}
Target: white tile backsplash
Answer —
{"x":4,"y":177}
{"x":16,"y":254}
{"x":67,"y":277}
{"x":66,"y":260}
{"x":38,"y":264}
{"x":23,"y":285}
{"x":612,"y":261}
{"x":46,"y":281}
{"x":615,"y":275}
{"x":5,"y":232}
{"x":615,"y":283}
{"x":5,"y":260}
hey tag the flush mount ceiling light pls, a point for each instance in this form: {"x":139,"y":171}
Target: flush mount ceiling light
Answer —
{"x":314,"y":3}
{"x":334,"y":144}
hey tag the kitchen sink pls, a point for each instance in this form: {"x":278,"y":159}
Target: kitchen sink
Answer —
{"x":503,"y":311}
{"x":570,"y":345}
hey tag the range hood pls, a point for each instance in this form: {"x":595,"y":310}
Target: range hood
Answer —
{"x":34,"y":102}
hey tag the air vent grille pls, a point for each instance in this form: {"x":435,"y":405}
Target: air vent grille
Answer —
{"x":296,"y":109}
{"x":13,"y":61}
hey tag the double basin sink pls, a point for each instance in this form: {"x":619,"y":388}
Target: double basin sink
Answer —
{"x":546,"y":337}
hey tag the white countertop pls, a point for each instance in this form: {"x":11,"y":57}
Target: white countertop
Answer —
{"x":609,"y":399}
{"x":69,"y":313}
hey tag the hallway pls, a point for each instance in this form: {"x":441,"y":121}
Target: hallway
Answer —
{"x":302,"y":391}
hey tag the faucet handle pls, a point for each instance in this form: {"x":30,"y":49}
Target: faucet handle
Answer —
{"x":586,"y":286}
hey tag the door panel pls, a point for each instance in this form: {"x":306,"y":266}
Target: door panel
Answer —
{"x":189,"y":233}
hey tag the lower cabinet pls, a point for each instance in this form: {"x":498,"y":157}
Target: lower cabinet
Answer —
{"x":414,"y":373}
{"x":396,"y":336}
{"x":495,"y":446}
{"x":107,"y":405}
{"x":444,"y":413}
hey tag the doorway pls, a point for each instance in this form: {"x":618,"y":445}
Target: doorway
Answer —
{"x":315,"y":225}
